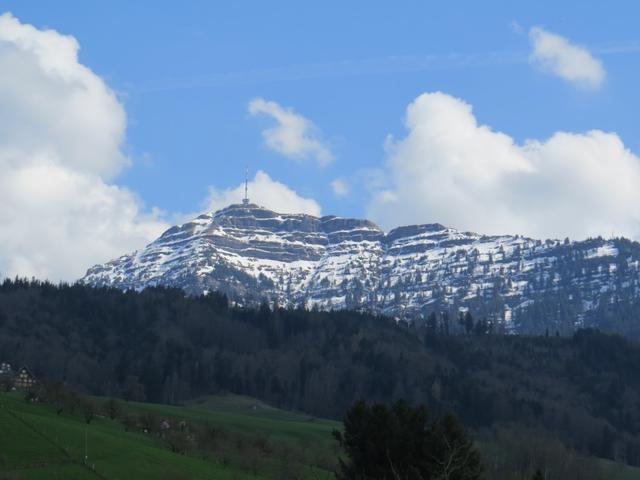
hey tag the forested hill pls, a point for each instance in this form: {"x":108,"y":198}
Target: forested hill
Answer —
{"x":161,"y":346}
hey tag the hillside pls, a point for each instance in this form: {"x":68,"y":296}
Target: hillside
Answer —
{"x":36,"y":443}
{"x":254,"y":441}
{"x":524,"y":285}
{"x":162,"y":346}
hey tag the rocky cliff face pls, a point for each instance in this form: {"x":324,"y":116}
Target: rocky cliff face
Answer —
{"x":252,"y":253}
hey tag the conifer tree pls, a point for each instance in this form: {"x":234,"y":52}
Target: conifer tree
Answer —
{"x":538,"y":475}
{"x":398,"y":442}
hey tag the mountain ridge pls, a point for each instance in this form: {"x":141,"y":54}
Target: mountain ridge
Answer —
{"x":252,"y":253}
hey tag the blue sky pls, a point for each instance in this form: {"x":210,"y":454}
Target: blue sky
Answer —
{"x":185,"y":138}
{"x":185,"y":73}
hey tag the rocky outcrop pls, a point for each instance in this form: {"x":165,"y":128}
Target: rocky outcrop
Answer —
{"x":252,"y":253}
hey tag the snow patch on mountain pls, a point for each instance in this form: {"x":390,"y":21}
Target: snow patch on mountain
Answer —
{"x":252,"y":253}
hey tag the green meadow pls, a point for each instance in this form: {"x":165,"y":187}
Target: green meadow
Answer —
{"x":256,"y":441}
{"x":38,"y":443}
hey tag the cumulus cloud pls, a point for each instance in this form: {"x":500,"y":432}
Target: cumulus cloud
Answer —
{"x":293,"y":135}
{"x":452,"y":170}
{"x":266,"y":192}
{"x":340,"y":187}
{"x":61,"y":135}
{"x":557,"y":55}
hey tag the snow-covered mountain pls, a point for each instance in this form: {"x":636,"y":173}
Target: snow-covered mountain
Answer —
{"x":252,"y":254}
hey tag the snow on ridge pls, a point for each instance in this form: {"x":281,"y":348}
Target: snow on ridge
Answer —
{"x":606,"y":250}
{"x":254,"y":251}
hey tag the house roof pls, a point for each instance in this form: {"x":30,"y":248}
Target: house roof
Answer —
{"x":24,"y":368}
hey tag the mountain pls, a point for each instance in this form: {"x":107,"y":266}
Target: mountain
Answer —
{"x":520,"y":284}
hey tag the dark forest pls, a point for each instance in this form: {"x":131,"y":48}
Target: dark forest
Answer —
{"x":162,"y":346}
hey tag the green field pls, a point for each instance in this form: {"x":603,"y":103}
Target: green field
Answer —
{"x":616,"y":471}
{"x":37,"y":443}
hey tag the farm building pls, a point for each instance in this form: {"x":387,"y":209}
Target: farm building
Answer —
{"x":5,"y":369}
{"x":24,"y":378}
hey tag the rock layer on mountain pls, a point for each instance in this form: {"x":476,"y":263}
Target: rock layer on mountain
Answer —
{"x":252,"y":254}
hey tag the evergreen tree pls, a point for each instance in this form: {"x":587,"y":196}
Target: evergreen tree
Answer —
{"x":432,"y":323}
{"x":538,"y":475}
{"x":398,"y":442}
{"x":468,"y":323}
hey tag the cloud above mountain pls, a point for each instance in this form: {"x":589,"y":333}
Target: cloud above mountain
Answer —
{"x":340,"y":187}
{"x":62,"y":132}
{"x":557,"y":55}
{"x":451,"y":169}
{"x":266,"y":192}
{"x":293,"y":135}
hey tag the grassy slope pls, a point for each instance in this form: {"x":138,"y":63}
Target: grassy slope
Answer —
{"x":247,"y":414}
{"x":37,"y":443}
{"x":616,"y":471}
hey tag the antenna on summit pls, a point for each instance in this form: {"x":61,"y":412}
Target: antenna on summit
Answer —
{"x":245,"y":200}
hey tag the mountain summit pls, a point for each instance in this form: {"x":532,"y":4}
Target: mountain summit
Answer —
{"x":252,"y":253}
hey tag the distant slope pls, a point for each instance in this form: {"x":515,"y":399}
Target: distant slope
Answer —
{"x":35,"y":443}
{"x":251,"y":254}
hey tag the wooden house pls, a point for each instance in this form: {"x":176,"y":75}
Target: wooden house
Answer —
{"x":24,"y":378}
{"x":6,"y":376}
{"x":5,"y":369}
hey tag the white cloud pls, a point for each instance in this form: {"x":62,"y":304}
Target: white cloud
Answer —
{"x":293,"y":136}
{"x":517,"y":28}
{"x":450,"y":169}
{"x":340,"y":187}
{"x":266,"y":192}
{"x":61,"y":136}
{"x":556,"y":54}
